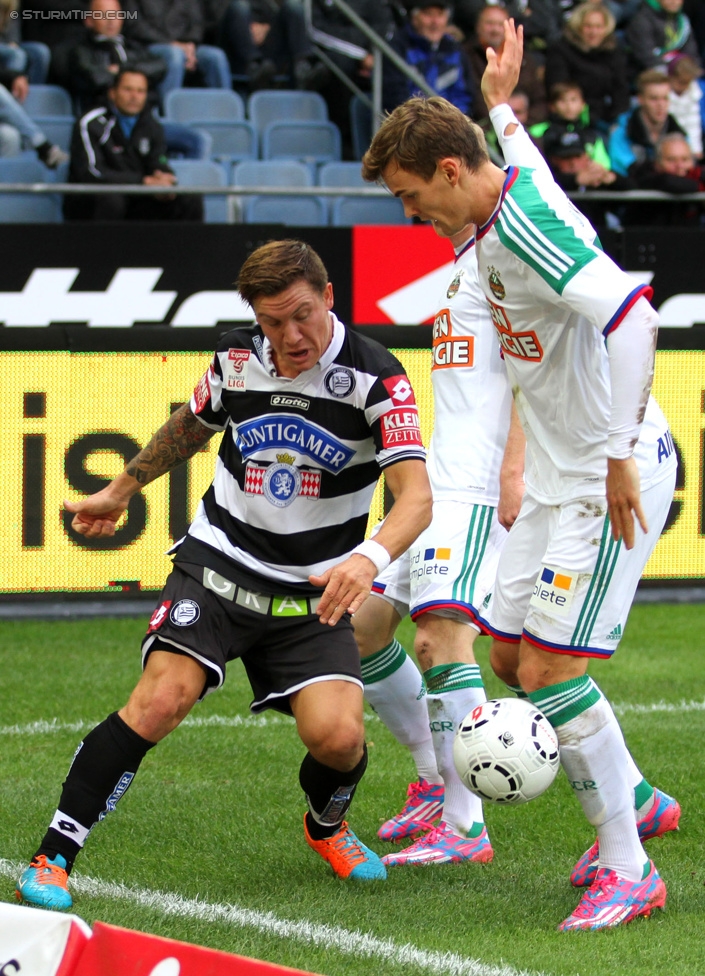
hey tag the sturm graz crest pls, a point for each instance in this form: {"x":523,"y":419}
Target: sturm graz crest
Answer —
{"x":282,"y":481}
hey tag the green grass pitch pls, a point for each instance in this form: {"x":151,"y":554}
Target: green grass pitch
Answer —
{"x":214,"y":817}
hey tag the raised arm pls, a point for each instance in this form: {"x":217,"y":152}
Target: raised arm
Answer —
{"x":348,"y":584}
{"x":182,"y":436}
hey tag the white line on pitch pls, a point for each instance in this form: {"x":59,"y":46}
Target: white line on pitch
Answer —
{"x":43,"y":726}
{"x":352,"y":943}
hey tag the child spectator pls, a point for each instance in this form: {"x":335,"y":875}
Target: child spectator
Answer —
{"x":685,"y":98}
{"x":568,"y":126}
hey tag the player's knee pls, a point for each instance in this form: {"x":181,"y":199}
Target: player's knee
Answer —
{"x":156,"y":709}
{"x":424,"y":649}
{"x":340,"y":745}
{"x":504,"y":661}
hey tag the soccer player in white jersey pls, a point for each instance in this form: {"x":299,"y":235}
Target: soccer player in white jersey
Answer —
{"x":579,"y":341}
{"x":446,"y":577}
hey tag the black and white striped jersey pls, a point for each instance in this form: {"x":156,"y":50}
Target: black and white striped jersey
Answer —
{"x":300,"y":457}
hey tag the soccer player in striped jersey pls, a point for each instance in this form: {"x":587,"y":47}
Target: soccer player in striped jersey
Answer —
{"x":275,"y":561}
{"x":579,"y":339}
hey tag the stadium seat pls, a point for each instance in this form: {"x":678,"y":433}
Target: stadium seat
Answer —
{"x":341,"y":174}
{"x":194,"y":105}
{"x":308,"y":211}
{"x":44,"y":100}
{"x":185,"y":142}
{"x":348,"y":211}
{"x":201,"y":172}
{"x":57,"y":129}
{"x":30,"y":208}
{"x":310,"y":142}
{"x":272,"y":172}
{"x":230,"y":141}
{"x":264,"y":107}
{"x":24,"y":168}
{"x":360,"y":126}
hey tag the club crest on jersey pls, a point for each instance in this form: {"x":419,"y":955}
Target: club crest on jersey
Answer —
{"x":498,"y":289}
{"x":184,"y":613}
{"x":340,"y":382}
{"x":235,"y":369}
{"x":281,"y":483}
{"x":455,"y":283}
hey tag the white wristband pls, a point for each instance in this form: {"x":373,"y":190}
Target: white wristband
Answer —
{"x":374,"y":551}
{"x":501,"y":116}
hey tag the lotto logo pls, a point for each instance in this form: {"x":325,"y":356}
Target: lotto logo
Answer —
{"x":399,"y":389}
{"x":158,"y":616}
{"x":436,"y":554}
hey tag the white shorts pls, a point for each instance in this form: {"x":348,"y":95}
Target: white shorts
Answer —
{"x":450,"y":570}
{"x":563,"y":583}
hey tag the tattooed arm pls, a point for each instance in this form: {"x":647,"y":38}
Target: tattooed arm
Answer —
{"x":180,"y":438}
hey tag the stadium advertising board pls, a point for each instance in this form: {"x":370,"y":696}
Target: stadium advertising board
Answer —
{"x":85,"y":384}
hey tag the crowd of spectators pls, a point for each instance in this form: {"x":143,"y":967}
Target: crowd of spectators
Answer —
{"x":611,"y":90}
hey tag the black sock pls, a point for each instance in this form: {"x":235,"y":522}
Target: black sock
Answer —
{"x":103,"y":767}
{"x":329,"y":794}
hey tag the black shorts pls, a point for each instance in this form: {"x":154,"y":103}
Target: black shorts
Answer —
{"x":280,"y":639}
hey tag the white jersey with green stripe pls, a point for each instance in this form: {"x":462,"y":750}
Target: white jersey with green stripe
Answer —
{"x":472,"y":399}
{"x":553,"y":296}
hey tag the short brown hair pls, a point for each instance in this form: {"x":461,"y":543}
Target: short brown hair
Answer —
{"x":277,"y":264}
{"x":418,"y":134}
{"x":650,"y":77}
{"x":562,"y":88}
{"x":684,"y":68}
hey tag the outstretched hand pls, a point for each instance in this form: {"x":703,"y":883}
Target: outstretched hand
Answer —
{"x":503,"y":66}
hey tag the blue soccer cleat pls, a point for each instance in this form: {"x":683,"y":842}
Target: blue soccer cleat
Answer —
{"x":611,"y":901}
{"x":663,"y":816}
{"x":424,"y":804}
{"x":443,"y":846}
{"x":44,"y":883}
{"x":347,"y":855}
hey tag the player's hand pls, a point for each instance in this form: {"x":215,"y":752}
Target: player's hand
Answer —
{"x":347,"y":586}
{"x":503,"y":66}
{"x":623,"y":499}
{"x":511,"y":492}
{"x":97,"y":516}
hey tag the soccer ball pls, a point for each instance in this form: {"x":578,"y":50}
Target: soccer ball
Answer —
{"x":506,"y":751}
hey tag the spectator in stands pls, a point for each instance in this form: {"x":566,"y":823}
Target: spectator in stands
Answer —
{"x":265,"y":38}
{"x":634,"y":137}
{"x":425,"y":44}
{"x":658,"y":31}
{"x":124,"y":143}
{"x":102,"y":51}
{"x":569,"y":114}
{"x":589,"y":54}
{"x":571,"y":157}
{"x":673,"y":170}
{"x":686,"y":98}
{"x":520,"y":104}
{"x":489,"y":32}
{"x":174,"y":29}
{"x":541,"y":19}
{"x":18,"y":129}
{"x":57,"y":24}
{"x":29,"y":59}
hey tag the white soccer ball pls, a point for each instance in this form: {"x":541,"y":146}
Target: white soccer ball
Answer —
{"x":506,"y":751}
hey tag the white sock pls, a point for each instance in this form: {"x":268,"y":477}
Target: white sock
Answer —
{"x":453,"y":690}
{"x":595,"y":758}
{"x":395,"y":689}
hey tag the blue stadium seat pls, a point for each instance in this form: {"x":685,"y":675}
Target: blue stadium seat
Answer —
{"x":43,"y":100}
{"x":264,"y":107}
{"x":310,"y":142}
{"x":350,"y":210}
{"x":30,"y":208}
{"x":341,"y":174}
{"x":193,"y":105}
{"x":24,"y":168}
{"x":57,"y":129}
{"x":308,"y":211}
{"x":272,"y":172}
{"x":201,"y":172}
{"x":230,"y":141}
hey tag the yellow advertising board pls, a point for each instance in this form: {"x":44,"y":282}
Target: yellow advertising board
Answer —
{"x":72,"y":420}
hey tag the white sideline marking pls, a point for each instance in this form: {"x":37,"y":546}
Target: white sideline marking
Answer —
{"x":43,"y":726}
{"x":353,"y":943}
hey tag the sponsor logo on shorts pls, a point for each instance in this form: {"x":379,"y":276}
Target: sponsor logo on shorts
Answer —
{"x":289,"y":606}
{"x":401,"y":427}
{"x":235,"y":369}
{"x":430,"y":562}
{"x":218,"y":584}
{"x":615,"y":634}
{"x":300,"y":403}
{"x":184,"y":613}
{"x":159,"y":616}
{"x":554,"y":591}
{"x":340,"y":382}
{"x":399,"y":390}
